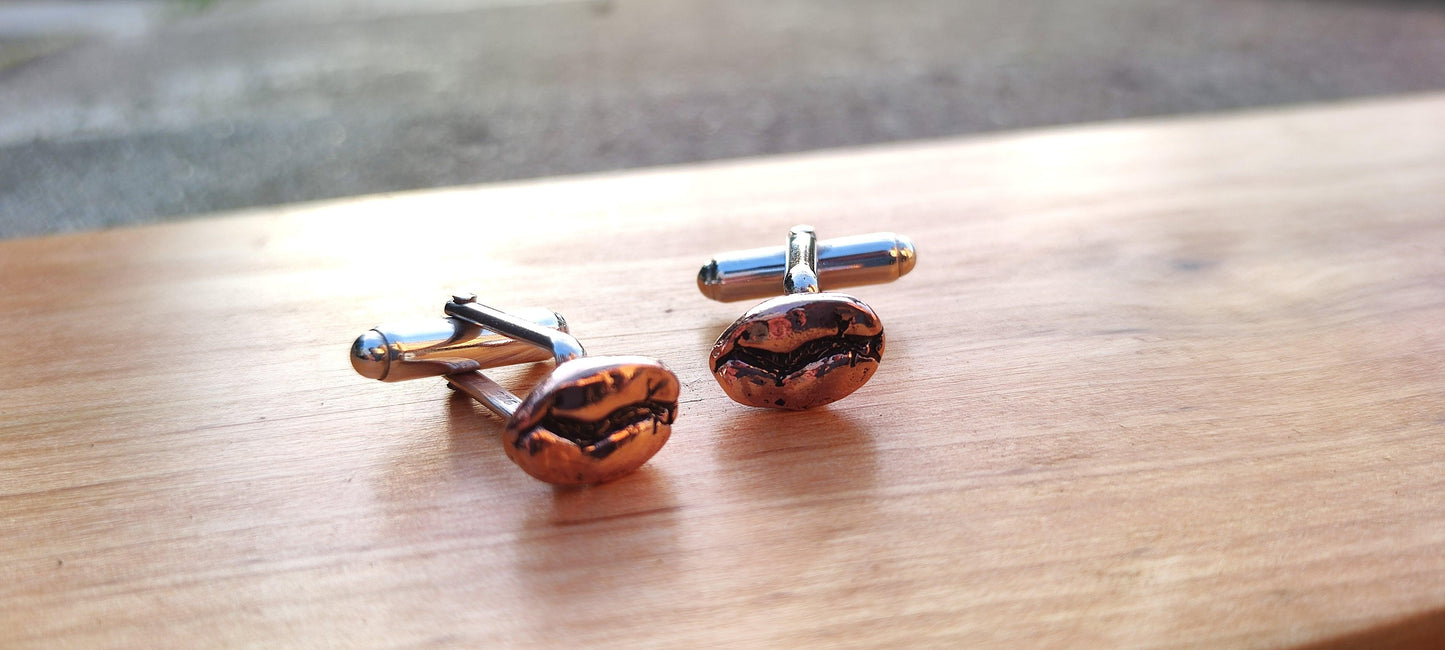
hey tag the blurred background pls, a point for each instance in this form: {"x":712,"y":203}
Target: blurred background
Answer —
{"x":129,"y":111}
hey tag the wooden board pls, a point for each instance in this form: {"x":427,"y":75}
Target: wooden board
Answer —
{"x":1178,"y":382}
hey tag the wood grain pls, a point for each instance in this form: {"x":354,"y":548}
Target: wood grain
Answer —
{"x":1158,"y":383}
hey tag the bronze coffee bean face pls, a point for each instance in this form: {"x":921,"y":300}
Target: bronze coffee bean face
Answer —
{"x":799,"y":351}
{"x":593,"y":419}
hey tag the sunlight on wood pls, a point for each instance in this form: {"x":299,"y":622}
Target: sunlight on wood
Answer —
{"x":1150,"y":383}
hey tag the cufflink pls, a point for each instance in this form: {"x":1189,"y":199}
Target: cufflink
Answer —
{"x":591,"y":420}
{"x":807,"y":347}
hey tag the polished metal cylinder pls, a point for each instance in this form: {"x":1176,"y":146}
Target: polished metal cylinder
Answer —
{"x":561,"y":345}
{"x":401,"y":351}
{"x":842,"y":262}
{"x":802,"y":273}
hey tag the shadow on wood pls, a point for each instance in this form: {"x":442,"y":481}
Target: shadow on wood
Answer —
{"x":1422,"y":631}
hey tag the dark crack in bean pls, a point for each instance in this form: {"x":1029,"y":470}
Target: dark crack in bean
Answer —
{"x":782,"y":364}
{"x":589,"y":433}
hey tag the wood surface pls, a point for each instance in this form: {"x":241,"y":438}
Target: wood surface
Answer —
{"x":1178,"y":382}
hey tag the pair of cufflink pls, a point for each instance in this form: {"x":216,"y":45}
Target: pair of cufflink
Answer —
{"x":594,"y":419}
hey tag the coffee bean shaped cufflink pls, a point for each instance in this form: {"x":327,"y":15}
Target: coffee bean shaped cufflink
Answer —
{"x":591,"y":420}
{"x":806,"y":348}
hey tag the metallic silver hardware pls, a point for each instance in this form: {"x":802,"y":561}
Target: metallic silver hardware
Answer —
{"x":802,"y":276}
{"x":425,"y":348}
{"x":559,"y":343}
{"x":842,"y":262}
{"x":591,"y":420}
{"x":489,"y":393}
{"x":808,"y":347}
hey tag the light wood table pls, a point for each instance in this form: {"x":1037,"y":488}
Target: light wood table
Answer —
{"x":1178,"y":382}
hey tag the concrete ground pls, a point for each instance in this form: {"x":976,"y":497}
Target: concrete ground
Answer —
{"x":124,"y":111}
